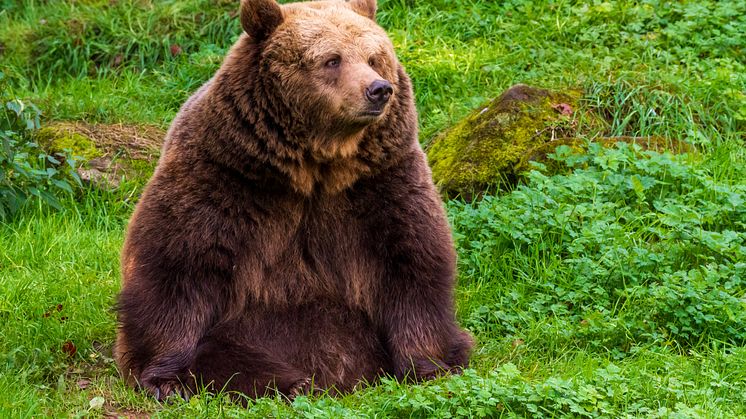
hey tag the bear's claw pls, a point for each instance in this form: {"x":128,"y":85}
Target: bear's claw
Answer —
{"x":166,"y":390}
{"x":300,"y":388}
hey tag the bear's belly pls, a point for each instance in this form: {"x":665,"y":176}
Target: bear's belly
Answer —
{"x":335,"y":345}
{"x":323,"y":258}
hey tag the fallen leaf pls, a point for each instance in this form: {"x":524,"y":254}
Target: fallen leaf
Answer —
{"x":518,"y":342}
{"x":117,"y":60}
{"x":83,"y":384}
{"x":175,"y":50}
{"x":97,"y":402}
{"x":69,"y":348}
{"x":563,"y":108}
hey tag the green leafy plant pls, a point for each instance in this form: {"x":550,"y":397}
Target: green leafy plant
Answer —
{"x":26,"y":171}
{"x":627,"y":248}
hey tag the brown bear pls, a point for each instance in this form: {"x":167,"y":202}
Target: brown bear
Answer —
{"x":291,"y":237}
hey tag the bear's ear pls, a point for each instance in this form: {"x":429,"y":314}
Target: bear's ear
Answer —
{"x":260,"y":18}
{"x":366,"y":8}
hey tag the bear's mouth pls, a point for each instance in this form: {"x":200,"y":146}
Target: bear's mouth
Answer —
{"x":372,"y":113}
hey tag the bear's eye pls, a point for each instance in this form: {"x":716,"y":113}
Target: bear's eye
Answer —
{"x":332,"y":62}
{"x":372,"y":62}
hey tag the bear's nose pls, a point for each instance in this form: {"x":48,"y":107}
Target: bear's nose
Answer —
{"x":379,"y":92}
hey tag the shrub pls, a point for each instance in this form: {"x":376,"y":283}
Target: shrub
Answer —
{"x":26,"y":171}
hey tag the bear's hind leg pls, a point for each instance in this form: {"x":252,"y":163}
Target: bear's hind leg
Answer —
{"x":224,"y":365}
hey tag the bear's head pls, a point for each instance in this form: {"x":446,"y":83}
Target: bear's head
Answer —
{"x":332,"y":66}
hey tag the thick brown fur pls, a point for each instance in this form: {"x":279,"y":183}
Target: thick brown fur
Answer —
{"x":289,"y":237}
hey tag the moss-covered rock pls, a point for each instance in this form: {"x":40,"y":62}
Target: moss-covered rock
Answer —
{"x":494,"y":145}
{"x":109,"y":152}
{"x":484,"y":149}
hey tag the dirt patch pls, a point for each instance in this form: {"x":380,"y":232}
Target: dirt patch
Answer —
{"x":139,"y":142}
{"x":111,"y":152}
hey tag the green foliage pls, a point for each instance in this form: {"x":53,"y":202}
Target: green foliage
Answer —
{"x":630,"y":248}
{"x":26,"y":171}
{"x":58,"y":277}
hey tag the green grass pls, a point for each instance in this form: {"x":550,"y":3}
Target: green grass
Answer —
{"x":459,"y":53}
{"x":613,"y":288}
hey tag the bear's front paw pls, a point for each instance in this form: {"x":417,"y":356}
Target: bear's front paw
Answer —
{"x":422,"y":369}
{"x":163,"y":384}
{"x":165,"y":377}
{"x":164,"y":389}
{"x":458,"y":355}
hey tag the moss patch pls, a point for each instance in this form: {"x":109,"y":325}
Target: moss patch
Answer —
{"x":55,"y":140}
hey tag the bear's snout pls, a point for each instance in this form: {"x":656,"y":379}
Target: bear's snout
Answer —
{"x":378,"y":93}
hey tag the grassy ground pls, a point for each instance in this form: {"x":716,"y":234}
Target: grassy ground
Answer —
{"x":613,"y":288}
